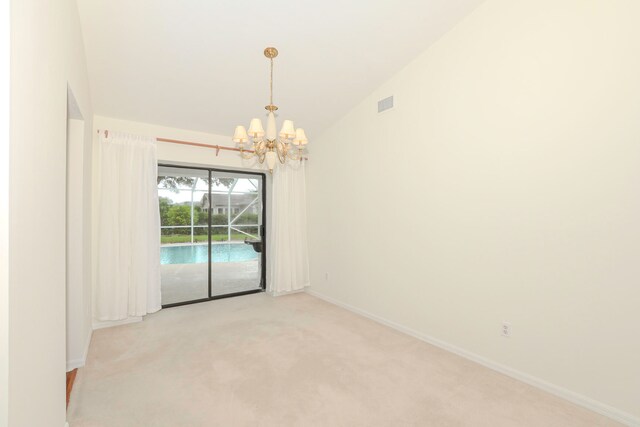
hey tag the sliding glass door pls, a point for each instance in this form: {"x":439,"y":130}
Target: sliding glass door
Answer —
{"x":212,"y":227}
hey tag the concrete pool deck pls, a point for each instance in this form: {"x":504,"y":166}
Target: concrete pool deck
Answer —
{"x":186,"y":282}
{"x":213,"y":242}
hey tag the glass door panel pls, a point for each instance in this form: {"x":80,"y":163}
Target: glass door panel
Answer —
{"x":237,"y":233}
{"x":184,"y":255}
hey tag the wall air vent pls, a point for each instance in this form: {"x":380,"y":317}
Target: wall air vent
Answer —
{"x":385,"y":104}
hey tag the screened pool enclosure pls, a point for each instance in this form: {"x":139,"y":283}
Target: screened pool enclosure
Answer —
{"x":212,"y":233}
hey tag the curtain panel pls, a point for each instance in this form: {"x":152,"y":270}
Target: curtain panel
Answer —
{"x":288,"y":255}
{"x":128,"y":274}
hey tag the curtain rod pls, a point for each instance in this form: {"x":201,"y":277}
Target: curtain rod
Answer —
{"x":196,"y":144}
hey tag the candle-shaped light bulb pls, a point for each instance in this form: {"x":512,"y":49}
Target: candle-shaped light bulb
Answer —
{"x":271,"y":127}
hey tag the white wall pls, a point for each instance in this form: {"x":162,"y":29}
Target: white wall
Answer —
{"x":78,"y":276}
{"x":170,"y":153}
{"x":5,"y":25}
{"x":47,"y":56}
{"x":74,"y":324}
{"x":504,"y":186}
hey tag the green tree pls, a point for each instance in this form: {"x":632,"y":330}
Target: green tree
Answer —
{"x":247,"y":218}
{"x":203,"y":217}
{"x":165,"y":205}
{"x":181,"y":215}
{"x":219,"y":219}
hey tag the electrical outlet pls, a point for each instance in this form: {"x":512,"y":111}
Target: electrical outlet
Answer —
{"x":506,"y":329}
{"x":326,"y":276}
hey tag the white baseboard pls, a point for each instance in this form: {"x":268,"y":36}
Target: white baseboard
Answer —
{"x":576,"y":398}
{"x":100,"y":324}
{"x":79,"y":363}
{"x":279,"y":294}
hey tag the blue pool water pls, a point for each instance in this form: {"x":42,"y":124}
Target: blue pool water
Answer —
{"x":220,"y":252}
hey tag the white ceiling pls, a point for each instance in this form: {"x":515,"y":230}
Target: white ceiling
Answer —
{"x":198,"y":64}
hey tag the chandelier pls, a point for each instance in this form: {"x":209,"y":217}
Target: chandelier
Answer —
{"x":269,"y":146}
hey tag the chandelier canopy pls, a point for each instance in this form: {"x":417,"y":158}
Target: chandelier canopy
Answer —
{"x":269,"y":145}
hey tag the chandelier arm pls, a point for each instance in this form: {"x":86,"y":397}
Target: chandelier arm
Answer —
{"x":259,"y":146}
{"x":261,"y":156}
{"x":282,"y":152}
{"x":295,"y":155}
{"x":246,"y":155}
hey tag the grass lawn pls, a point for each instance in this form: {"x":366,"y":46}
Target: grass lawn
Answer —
{"x":201,"y":238}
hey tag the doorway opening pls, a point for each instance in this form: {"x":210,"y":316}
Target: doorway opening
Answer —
{"x":213,"y":242}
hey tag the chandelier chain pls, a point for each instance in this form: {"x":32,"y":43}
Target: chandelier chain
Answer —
{"x":271,"y":84}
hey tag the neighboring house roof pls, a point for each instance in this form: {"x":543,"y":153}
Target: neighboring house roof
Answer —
{"x":237,"y":200}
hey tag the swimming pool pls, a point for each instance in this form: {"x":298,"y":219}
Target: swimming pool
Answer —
{"x":220,"y":252}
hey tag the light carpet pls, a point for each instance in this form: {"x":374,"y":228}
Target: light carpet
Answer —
{"x":293,"y":361}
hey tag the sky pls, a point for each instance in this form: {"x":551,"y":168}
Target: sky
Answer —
{"x":243,"y":185}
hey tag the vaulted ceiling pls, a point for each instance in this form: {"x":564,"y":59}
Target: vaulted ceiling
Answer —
{"x":198,"y":64}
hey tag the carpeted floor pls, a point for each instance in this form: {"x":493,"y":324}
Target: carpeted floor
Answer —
{"x":293,"y":361}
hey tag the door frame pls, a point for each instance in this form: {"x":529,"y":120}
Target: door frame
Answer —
{"x":263,"y":231}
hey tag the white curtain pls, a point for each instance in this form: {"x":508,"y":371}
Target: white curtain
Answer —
{"x":128,"y":281}
{"x":288,"y":256}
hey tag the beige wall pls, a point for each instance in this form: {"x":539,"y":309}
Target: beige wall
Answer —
{"x":504,"y":186}
{"x":5,"y":24}
{"x":47,"y":56}
{"x":78,"y":263}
